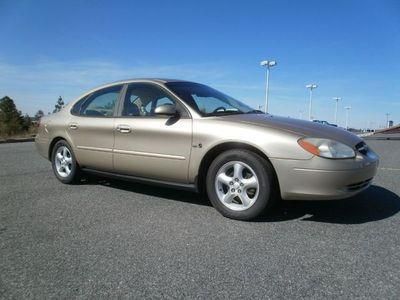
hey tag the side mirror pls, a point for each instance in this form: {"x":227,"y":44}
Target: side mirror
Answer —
{"x":166,"y":109}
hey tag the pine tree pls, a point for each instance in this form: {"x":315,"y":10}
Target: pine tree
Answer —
{"x":39,"y":115}
{"x":59,"y":105}
{"x":11,"y":119}
{"x":27,"y":122}
{"x":2,"y":125}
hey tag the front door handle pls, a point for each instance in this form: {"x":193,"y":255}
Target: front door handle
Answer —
{"x":123,"y":128}
{"x":73,"y":126}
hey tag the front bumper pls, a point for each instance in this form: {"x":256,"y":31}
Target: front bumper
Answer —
{"x":325,"y":179}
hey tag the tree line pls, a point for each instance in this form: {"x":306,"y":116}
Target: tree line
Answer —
{"x":13,"y":122}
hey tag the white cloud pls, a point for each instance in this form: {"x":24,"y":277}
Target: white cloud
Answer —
{"x":38,"y":85}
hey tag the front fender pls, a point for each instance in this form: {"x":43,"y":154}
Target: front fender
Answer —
{"x":272,"y":142}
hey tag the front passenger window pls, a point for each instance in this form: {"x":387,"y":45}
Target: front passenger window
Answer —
{"x":102,"y":103}
{"x":142,"y":99}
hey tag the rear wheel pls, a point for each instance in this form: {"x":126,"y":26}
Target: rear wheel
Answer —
{"x":64,"y":163}
{"x":240,"y":184}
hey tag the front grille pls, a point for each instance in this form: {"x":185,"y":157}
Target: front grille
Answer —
{"x":358,"y":185}
{"x":362,"y":148}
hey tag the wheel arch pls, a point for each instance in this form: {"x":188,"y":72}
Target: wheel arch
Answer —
{"x":218,"y":149}
{"x":54,"y":142}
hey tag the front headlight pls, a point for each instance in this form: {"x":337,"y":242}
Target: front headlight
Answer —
{"x":326,"y":148}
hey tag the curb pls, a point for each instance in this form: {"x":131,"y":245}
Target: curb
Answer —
{"x":20,"y":140}
{"x":383,"y":138}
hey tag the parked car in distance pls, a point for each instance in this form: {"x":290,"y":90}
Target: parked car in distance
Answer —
{"x":188,"y":135}
{"x":325,"y":123}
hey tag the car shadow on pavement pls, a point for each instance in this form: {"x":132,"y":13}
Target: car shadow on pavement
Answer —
{"x":375,"y":203}
{"x":150,"y":190}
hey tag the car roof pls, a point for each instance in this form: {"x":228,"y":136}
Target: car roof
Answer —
{"x":157,"y":80}
{"x":125,"y":81}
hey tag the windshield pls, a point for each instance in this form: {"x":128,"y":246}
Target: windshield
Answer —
{"x":207,"y":101}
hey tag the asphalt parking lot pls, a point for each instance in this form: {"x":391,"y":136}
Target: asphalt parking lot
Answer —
{"x":106,"y":238}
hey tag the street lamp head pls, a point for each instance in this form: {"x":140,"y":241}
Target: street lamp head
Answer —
{"x":347,"y":107}
{"x":337,"y":98}
{"x":268,"y":63}
{"x":311,"y":86}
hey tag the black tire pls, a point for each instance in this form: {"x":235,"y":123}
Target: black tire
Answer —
{"x":267,"y":189}
{"x":75,"y":174}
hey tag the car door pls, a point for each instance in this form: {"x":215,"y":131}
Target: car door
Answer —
{"x":149,"y":145}
{"x":91,"y":128}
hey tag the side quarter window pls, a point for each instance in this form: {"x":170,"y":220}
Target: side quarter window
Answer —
{"x":78,"y":105}
{"x":102,"y":103}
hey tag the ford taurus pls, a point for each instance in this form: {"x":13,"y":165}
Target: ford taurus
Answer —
{"x":191,"y":136}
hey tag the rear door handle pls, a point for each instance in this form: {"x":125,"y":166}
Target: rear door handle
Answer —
{"x":123,"y":128}
{"x":73,"y":126}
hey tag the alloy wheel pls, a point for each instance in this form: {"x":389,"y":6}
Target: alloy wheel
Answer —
{"x":63,"y":161}
{"x":237,"y":185}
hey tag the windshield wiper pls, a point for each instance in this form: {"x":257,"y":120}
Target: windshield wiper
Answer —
{"x":224,"y":113}
{"x":255,"y":111}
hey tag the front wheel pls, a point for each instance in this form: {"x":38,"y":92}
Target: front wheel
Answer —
{"x":240,"y":184}
{"x":64,"y":163}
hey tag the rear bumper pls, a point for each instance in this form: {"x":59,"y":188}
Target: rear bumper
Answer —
{"x":42,"y":146}
{"x":324,"y":179}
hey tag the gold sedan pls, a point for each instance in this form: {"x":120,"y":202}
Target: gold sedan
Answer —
{"x":191,"y":136}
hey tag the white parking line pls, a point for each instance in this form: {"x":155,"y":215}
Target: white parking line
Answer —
{"x":389,"y":169}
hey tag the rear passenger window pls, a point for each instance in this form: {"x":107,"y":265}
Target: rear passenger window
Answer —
{"x":102,"y":103}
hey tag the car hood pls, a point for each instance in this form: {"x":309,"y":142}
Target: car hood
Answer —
{"x":300,"y":127}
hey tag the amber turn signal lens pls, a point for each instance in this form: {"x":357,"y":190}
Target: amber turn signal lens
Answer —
{"x":309,"y":147}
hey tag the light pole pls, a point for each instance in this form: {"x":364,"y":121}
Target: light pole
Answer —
{"x":267,"y":64}
{"x":347,"y":116}
{"x":311,"y":86}
{"x":337,"y":99}
{"x":387,"y":120}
